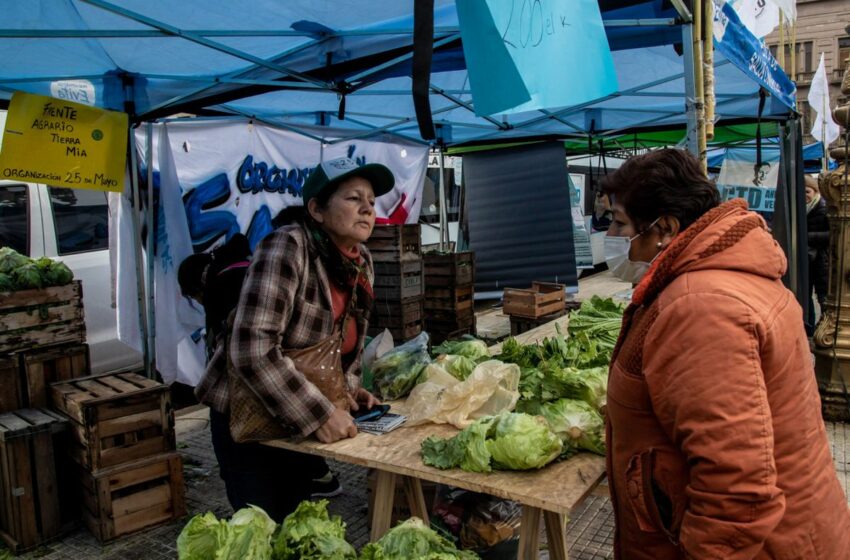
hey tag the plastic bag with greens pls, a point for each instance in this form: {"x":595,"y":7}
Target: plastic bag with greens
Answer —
{"x":414,"y":539}
{"x":399,"y":370}
{"x":467,"y":345}
{"x":509,"y":441}
{"x":201,"y":538}
{"x":309,"y":533}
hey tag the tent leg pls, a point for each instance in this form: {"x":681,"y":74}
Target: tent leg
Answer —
{"x":150,"y":250}
{"x":444,"y":226}
{"x":690,"y":88}
{"x":137,"y":236}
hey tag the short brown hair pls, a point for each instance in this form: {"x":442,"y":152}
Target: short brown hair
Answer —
{"x":664,"y":182}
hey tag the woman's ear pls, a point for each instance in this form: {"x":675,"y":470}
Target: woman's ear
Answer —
{"x":315,"y":212}
{"x":669,"y":228}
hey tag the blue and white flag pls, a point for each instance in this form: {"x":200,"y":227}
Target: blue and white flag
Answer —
{"x":178,"y":356}
{"x":734,"y":41}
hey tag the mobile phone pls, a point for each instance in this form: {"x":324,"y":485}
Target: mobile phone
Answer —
{"x":365,"y":415}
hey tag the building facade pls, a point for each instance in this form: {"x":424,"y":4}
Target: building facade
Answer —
{"x":822,"y":27}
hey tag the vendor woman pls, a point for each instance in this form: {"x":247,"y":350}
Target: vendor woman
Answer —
{"x":304,"y":282}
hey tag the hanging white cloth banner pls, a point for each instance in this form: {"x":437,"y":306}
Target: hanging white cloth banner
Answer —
{"x":178,"y":356}
{"x":824,"y":128}
{"x":237,"y":176}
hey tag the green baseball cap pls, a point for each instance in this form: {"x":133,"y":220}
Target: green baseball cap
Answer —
{"x":333,"y":172}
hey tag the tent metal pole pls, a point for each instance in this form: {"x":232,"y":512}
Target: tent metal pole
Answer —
{"x":444,"y":227}
{"x":690,"y":87}
{"x":149,"y":215}
{"x":793,"y":257}
{"x":139,"y":259}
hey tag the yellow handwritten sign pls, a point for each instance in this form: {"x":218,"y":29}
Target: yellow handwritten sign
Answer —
{"x":63,"y":144}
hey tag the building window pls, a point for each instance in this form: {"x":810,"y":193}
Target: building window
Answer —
{"x":14,"y":218}
{"x":82,"y":220}
{"x":843,"y":52}
{"x":803,"y":69}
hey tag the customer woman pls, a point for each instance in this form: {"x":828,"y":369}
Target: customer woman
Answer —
{"x":303,"y":284}
{"x":716,"y":444}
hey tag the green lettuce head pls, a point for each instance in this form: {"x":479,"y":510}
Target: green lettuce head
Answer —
{"x":457,"y":364}
{"x":249,"y":536}
{"x":201,"y":538}
{"x":468,"y":347}
{"x":309,"y":533}
{"x":577,"y":423}
{"x":523,"y":442}
{"x":413,"y":539}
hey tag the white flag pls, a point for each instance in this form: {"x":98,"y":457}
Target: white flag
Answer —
{"x":759,"y":16}
{"x":176,"y":319}
{"x":824,"y":129}
{"x":788,"y":7}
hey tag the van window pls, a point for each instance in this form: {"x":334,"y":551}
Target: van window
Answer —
{"x":14,"y":218}
{"x":82,"y":219}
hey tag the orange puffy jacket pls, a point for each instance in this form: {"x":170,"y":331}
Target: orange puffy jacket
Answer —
{"x":717,"y":448}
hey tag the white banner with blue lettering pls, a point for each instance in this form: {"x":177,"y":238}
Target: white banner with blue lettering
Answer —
{"x":235,"y":176}
{"x":739,"y":178}
{"x":750,"y":54}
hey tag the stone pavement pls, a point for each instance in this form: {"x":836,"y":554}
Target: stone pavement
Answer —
{"x":589,"y":532}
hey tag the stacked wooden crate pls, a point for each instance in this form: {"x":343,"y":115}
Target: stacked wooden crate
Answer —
{"x":449,"y":291}
{"x":122,"y":452}
{"x":529,"y":308}
{"x":397,"y":256}
{"x":42,"y":340}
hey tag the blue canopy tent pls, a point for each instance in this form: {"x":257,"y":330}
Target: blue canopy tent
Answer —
{"x":348,"y":65}
{"x":293,"y":63}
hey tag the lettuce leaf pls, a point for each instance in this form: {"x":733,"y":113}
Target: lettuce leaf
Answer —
{"x":414,"y":539}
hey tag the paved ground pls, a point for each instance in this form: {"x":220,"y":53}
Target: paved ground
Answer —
{"x":589,"y":532}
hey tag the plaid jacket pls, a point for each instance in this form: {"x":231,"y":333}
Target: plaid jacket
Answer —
{"x":285,"y":304}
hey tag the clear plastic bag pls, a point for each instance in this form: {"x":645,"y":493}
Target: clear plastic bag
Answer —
{"x":491,"y":388}
{"x":395,"y":373}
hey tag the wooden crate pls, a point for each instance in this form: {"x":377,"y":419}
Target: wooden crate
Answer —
{"x":449,"y":269}
{"x":30,"y":318}
{"x":392,"y":243}
{"x":400,"y":334}
{"x":44,"y":366}
{"x":29,"y":494}
{"x":117,"y":418}
{"x":11,"y":390}
{"x":399,"y":281}
{"x":396,"y":314}
{"x":456,"y":300}
{"x":542,"y":299}
{"x":134,"y":496}
{"x":520,"y":325}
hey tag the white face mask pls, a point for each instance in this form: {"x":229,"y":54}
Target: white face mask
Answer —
{"x":617,"y":257}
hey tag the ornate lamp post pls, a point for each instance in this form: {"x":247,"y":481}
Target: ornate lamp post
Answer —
{"x":832,"y":336}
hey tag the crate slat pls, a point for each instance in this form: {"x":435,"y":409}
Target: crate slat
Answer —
{"x":41,"y":367}
{"x":395,"y":243}
{"x":542,"y":299}
{"x":449,"y":269}
{"x":31,"y":318}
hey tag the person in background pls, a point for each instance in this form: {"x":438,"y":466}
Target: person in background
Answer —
{"x":818,"y":241}
{"x":716,"y":445}
{"x":302,"y":282}
{"x":600,"y":220}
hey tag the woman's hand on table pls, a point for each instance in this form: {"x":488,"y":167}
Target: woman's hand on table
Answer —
{"x":339,"y":425}
{"x":362,"y":397}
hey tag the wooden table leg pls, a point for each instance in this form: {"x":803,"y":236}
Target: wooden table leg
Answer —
{"x":384,"y":498}
{"x":415,"y":498}
{"x":529,"y":533}
{"x":556,"y":535}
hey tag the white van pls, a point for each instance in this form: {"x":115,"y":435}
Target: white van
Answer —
{"x":70,"y":225}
